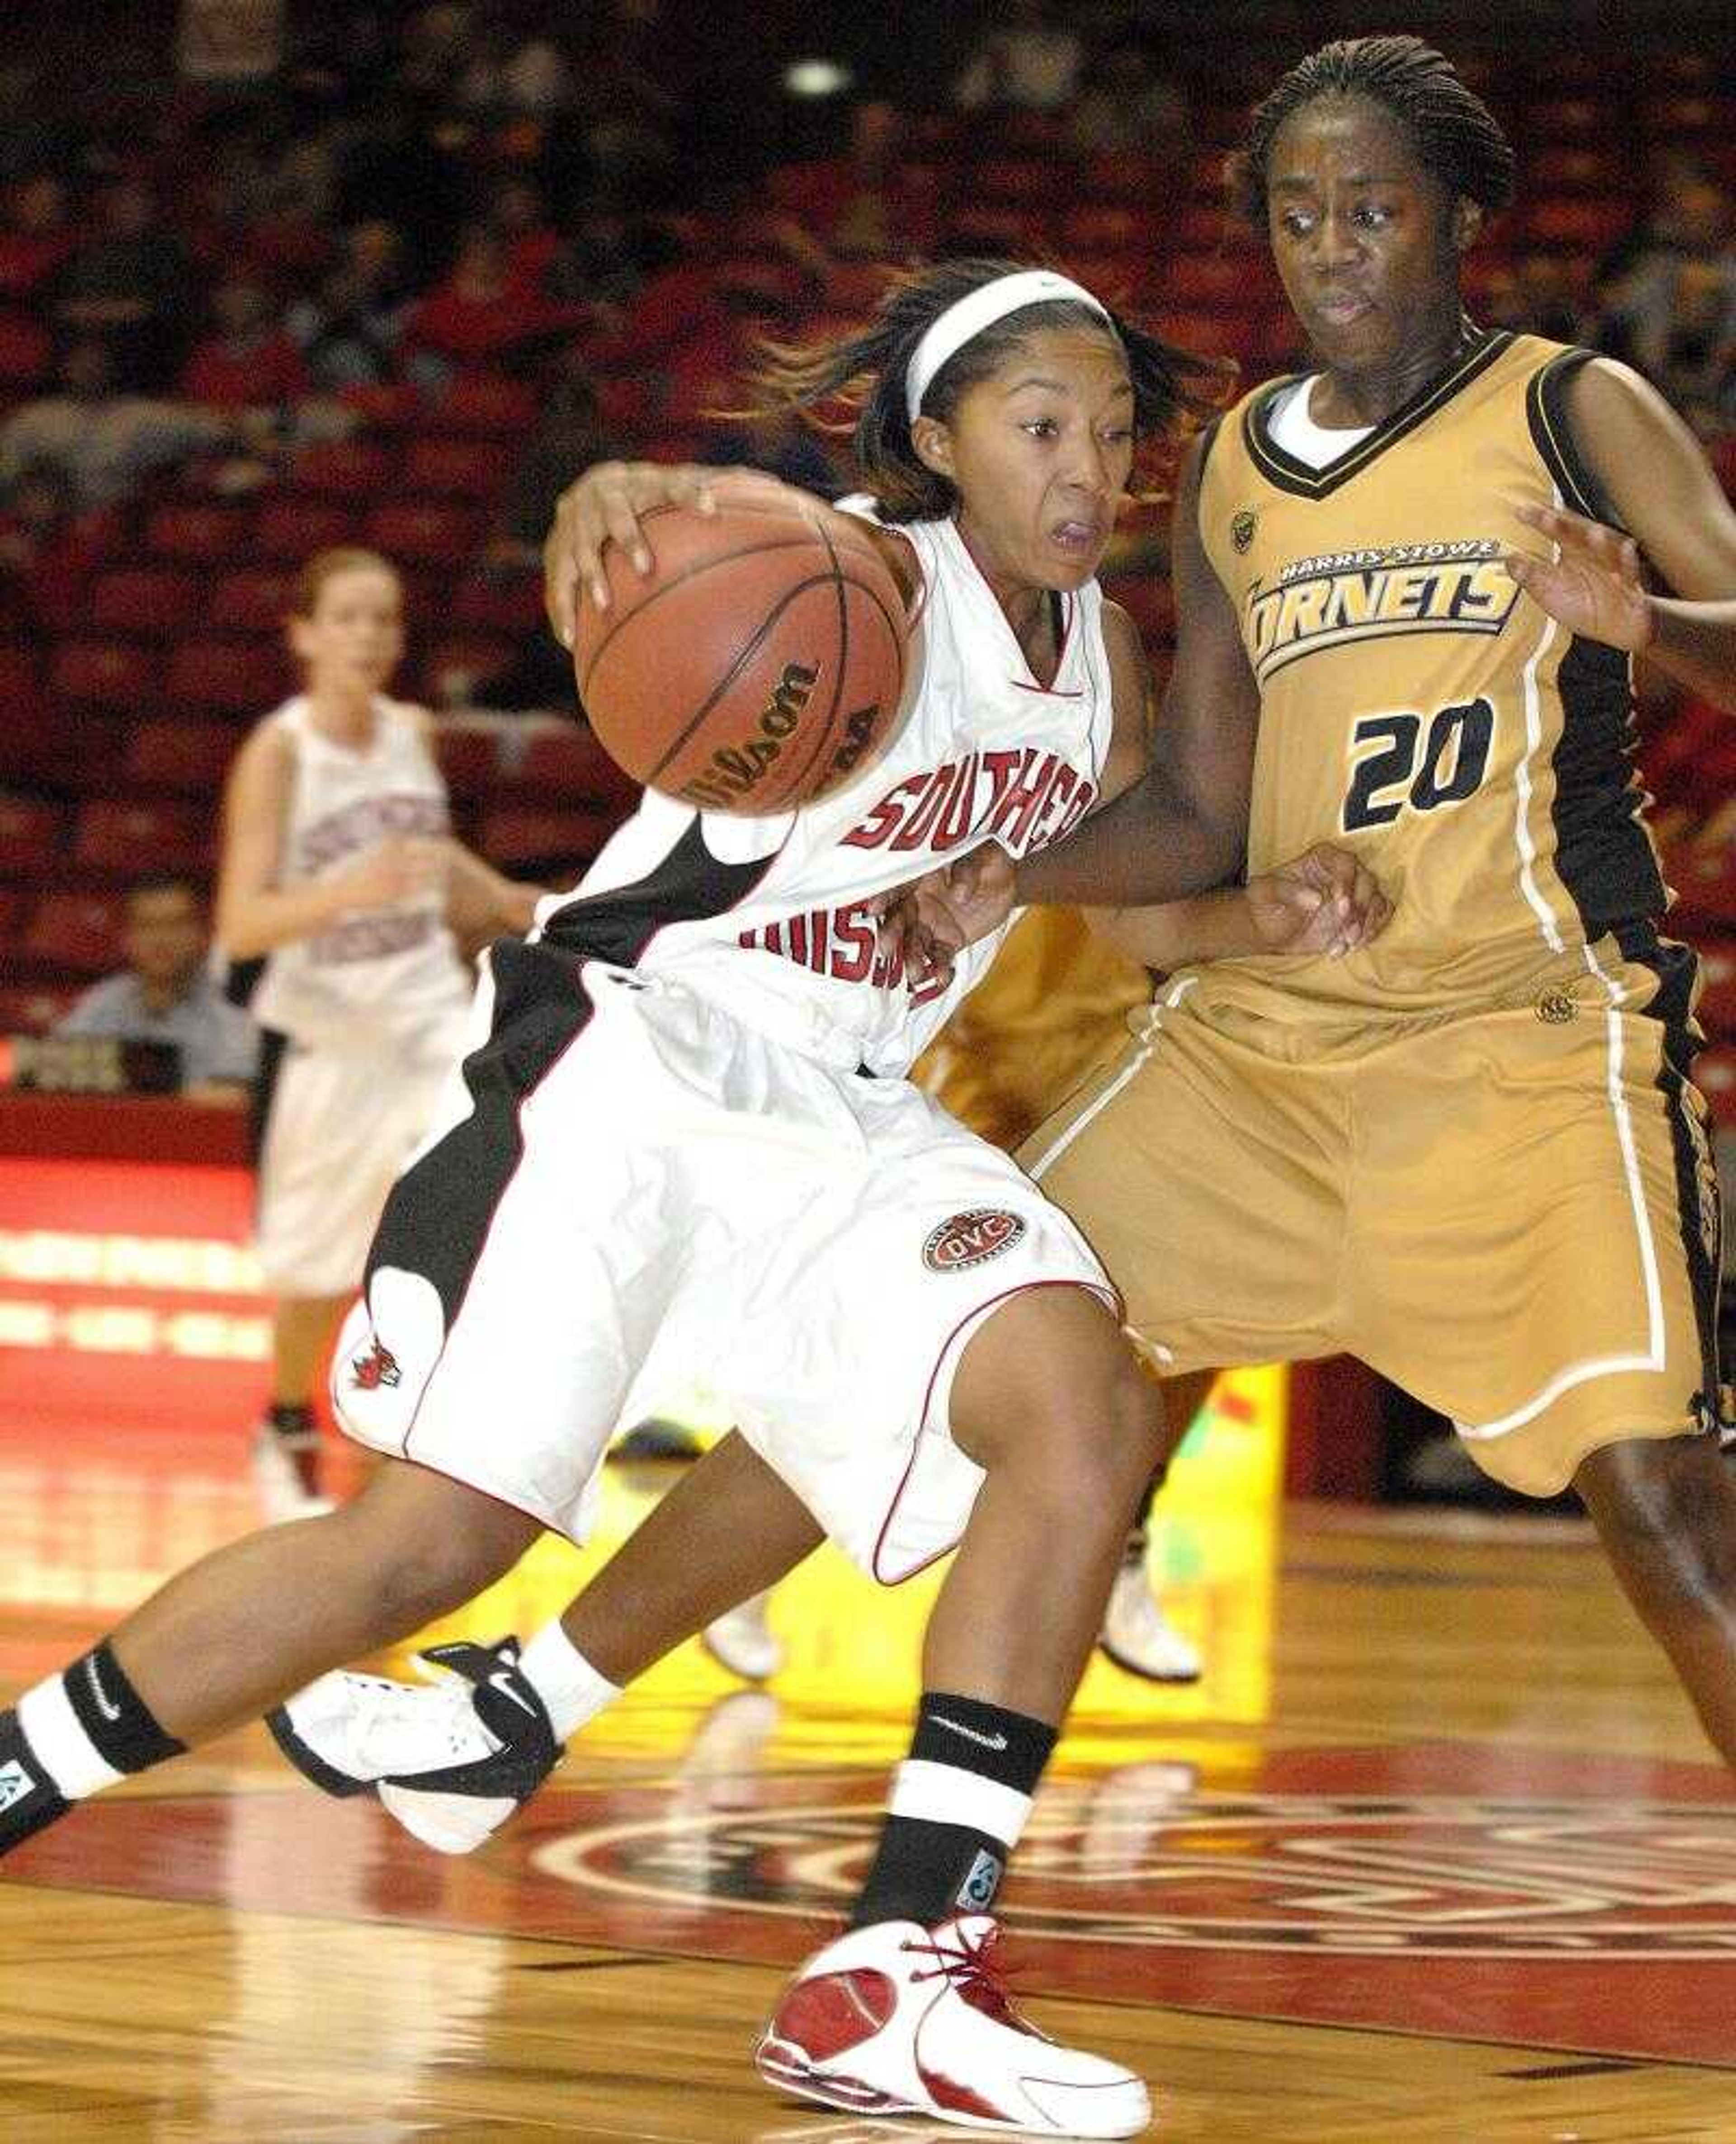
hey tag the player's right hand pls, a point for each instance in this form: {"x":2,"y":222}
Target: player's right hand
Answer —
{"x":398,"y":869}
{"x":932,"y":920}
{"x":605,"y":506}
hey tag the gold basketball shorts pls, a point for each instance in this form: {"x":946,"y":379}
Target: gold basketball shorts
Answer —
{"x":1512,"y":1214}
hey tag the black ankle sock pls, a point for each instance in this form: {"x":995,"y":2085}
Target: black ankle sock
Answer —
{"x":69,"y":1736}
{"x":29,"y":1799}
{"x":958,"y":1805}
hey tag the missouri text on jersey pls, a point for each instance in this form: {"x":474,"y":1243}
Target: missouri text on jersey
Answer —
{"x":1345,"y":595}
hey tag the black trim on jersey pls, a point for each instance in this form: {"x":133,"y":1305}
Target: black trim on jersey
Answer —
{"x":1697,"y":1203}
{"x":618,"y":923}
{"x":242,"y":980}
{"x":1545,"y":403}
{"x":438,"y":1217}
{"x":1288,"y":474}
{"x":1603,"y":855}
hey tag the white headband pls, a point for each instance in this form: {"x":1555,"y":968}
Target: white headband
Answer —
{"x":961,"y":323}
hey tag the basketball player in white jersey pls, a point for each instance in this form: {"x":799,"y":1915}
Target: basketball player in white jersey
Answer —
{"x":689,"y":1139}
{"x":338,"y":867}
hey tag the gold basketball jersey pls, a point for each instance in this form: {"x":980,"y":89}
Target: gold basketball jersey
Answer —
{"x":1416,"y":706}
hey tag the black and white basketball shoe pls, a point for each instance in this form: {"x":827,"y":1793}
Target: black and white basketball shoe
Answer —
{"x":451,"y":1760}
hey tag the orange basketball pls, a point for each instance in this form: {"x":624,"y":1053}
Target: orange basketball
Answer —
{"x":758,"y":665}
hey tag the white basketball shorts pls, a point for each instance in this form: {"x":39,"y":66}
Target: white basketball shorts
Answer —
{"x":636,"y":1192}
{"x":340,"y":1126}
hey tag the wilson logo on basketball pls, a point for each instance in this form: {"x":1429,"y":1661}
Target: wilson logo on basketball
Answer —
{"x":378,"y":1367}
{"x":734,"y":771}
{"x":971,"y":1239}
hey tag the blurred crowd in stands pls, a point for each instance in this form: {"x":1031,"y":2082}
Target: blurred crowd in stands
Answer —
{"x":396,"y":273}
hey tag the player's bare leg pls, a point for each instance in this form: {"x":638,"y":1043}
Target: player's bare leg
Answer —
{"x":729,"y":1529}
{"x":1050,"y":1403}
{"x":222,"y":1642}
{"x":1665,"y":1512}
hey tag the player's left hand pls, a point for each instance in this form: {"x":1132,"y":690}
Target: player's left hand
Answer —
{"x":1594,"y":587}
{"x":1322,"y":901}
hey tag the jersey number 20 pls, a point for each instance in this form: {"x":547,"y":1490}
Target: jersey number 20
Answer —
{"x":1449,"y":766}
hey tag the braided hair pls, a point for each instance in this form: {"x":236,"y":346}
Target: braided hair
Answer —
{"x":864,"y":374}
{"x":1456,"y":137}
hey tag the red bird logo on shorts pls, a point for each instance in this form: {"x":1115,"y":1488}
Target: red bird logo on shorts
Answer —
{"x":378,"y":1367}
{"x":971,"y":1239}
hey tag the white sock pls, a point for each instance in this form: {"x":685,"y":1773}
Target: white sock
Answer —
{"x":568,"y":1686}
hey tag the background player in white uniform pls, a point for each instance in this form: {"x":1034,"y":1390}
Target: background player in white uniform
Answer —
{"x":338,"y":868}
{"x":689,"y":1139}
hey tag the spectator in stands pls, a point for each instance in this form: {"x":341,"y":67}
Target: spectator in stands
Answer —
{"x":519,"y":214}
{"x":1128,"y":107}
{"x":349,"y":332}
{"x":570,"y":436}
{"x":168,"y":992}
{"x":48,"y":551}
{"x":1032,"y":63}
{"x":481,"y":315}
{"x":607,"y":251}
{"x":1669,"y":297}
{"x":36,"y":236}
{"x":249,"y":361}
{"x":103,"y":443}
{"x":128,"y":285}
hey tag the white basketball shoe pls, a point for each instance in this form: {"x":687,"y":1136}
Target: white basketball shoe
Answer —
{"x":896,"y":2019}
{"x":451,"y":1762}
{"x":1138,"y":1636}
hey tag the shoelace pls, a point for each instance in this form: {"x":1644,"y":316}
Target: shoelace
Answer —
{"x":979,"y":1975}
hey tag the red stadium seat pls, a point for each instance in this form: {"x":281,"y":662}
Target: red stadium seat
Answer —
{"x":294,"y":528}
{"x":77,"y":930}
{"x":254,"y":599}
{"x":1136,"y":180}
{"x":30,"y":836}
{"x":1106,"y":227}
{"x":127,"y":839}
{"x":566,"y":765}
{"x":108,"y":674}
{"x":518,"y":838}
{"x":344,"y":468}
{"x":989,"y":225}
{"x":1718,"y":996}
{"x":488,"y":405}
{"x":145,"y":600}
{"x":468,"y":759}
{"x":25,"y":350}
{"x":193,"y":530}
{"x":1576,"y":167}
{"x":32,"y":726}
{"x":27,"y":1009}
{"x":230,"y":676}
{"x":1020,"y":181}
{"x":1585,"y":225}
{"x":190,"y":757}
{"x":433,"y":531}
{"x":390,"y":406}
{"x":460,"y":469}
{"x":513,"y":606}
{"x":1204,"y":278}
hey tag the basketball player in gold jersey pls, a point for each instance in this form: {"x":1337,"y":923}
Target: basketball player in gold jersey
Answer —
{"x":1469,"y":1153}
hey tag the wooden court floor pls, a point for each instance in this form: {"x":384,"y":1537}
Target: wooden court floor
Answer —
{"x":1434,"y":1856}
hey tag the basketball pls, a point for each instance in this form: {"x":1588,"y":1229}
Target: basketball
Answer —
{"x":758,"y":665}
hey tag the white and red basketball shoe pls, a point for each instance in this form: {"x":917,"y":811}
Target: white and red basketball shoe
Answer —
{"x":896,"y":2019}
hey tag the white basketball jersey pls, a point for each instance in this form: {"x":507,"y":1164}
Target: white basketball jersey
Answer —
{"x":377,"y":971}
{"x":769,"y":917}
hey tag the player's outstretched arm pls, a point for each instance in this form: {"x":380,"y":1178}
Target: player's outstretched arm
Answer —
{"x":1594,"y":586}
{"x":1657,"y":484}
{"x":1323,"y":902}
